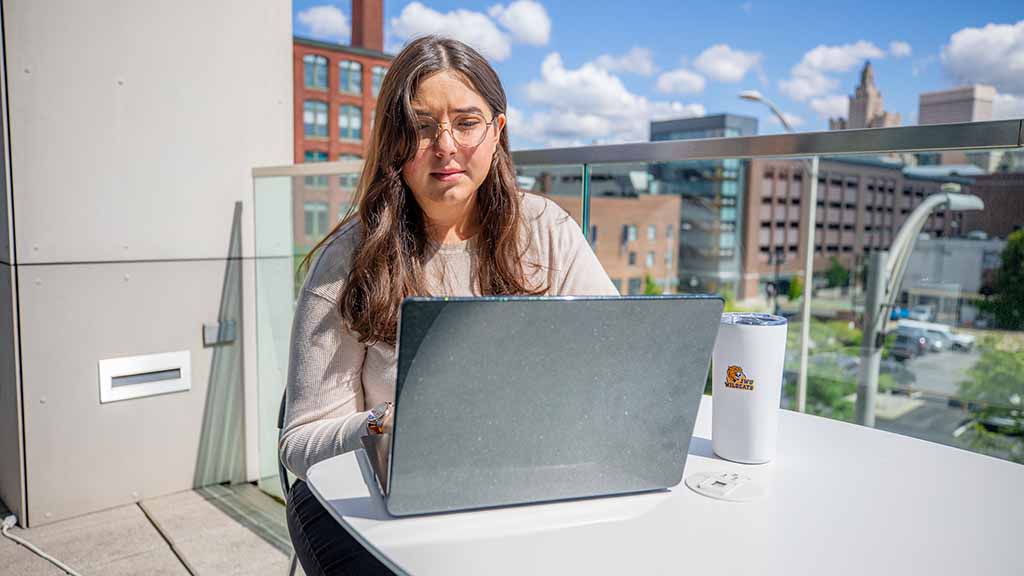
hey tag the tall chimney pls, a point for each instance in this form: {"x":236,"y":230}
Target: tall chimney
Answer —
{"x":368,"y":24}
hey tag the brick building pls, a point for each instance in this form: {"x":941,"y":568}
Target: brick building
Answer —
{"x":633,"y":237}
{"x":1003,"y":195}
{"x":335,"y":91}
{"x":862,"y":202}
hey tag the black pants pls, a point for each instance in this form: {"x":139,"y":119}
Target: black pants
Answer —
{"x":322,"y":545}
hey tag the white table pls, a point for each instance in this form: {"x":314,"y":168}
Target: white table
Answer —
{"x":842,"y":499}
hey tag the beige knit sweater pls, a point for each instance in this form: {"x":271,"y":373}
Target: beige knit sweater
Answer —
{"x":333,"y":378}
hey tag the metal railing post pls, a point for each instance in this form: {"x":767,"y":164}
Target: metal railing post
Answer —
{"x":809,"y":216}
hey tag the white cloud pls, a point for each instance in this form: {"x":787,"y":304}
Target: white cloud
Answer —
{"x":637,"y":61}
{"x":526,"y":20}
{"x":990,"y":55}
{"x":473,"y":28}
{"x":589,"y":104}
{"x":808,"y":78}
{"x":831,"y":106}
{"x":680,"y":81}
{"x":793,"y":119}
{"x":1007,"y":106}
{"x":804,"y":86}
{"x":899,"y":49}
{"x":326,"y":22}
{"x":726,"y":64}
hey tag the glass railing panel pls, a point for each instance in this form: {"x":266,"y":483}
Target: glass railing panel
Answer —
{"x":291,"y":215}
{"x":951,"y":366}
{"x":563,"y":184}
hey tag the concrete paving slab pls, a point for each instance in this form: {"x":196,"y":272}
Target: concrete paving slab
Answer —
{"x":217,"y":530}
{"x":225,"y":529}
{"x":159,"y":562}
{"x":16,"y":559}
{"x":97,"y":539}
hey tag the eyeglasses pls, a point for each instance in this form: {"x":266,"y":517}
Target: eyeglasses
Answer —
{"x":467,"y":130}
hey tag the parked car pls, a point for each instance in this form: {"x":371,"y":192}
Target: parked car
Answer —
{"x":938,"y":341}
{"x":956,"y":340}
{"x":921,"y":313}
{"x":909,"y":343}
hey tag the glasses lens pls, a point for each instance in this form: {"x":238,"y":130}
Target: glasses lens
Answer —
{"x":469,"y":130}
{"x":426,"y":132}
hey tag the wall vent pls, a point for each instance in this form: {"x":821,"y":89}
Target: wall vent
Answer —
{"x":140,"y":376}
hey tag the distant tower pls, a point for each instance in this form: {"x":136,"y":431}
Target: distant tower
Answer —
{"x":866,"y":108}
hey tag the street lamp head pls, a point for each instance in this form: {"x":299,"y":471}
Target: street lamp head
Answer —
{"x":751,"y":95}
{"x":963,"y":202}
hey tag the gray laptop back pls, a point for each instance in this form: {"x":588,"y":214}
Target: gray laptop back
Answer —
{"x":514,"y":400}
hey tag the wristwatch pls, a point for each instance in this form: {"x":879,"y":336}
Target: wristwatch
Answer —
{"x":378,"y":415}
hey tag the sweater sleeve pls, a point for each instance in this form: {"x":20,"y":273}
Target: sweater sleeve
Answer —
{"x":581,"y":271}
{"x":324,"y":413}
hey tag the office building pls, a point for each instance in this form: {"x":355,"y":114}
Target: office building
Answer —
{"x":861,"y":204}
{"x":963,"y":104}
{"x":712,"y":202}
{"x":867,"y":108}
{"x":633,"y":227}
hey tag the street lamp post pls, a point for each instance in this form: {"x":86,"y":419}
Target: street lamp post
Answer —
{"x":808,"y":214}
{"x":884,"y":279}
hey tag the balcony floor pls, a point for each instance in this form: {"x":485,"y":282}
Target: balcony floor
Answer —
{"x":216,"y":530}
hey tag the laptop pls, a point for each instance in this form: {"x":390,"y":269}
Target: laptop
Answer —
{"x":516,"y":400}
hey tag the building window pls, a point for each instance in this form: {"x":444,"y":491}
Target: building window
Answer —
{"x":628,"y":233}
{"x":350,"y":122}
{"x":378,"y":79}
{"x":727,"y":241}
{"x":350,"y":77}
{"x":315,"y":71}
{"x":668,"y":257}
{"x":649,"y":263}
{"x":593,"y":235}
{"x":314,"y":118}
{"x":349,"y":180}
{"x":668,"y":232}
{"x":652,"y":231}
{"x":634,"y":285}
{"x":316,"y":219}
{"x":315,"y":181}
{"x":617,"y":282}
{"x":728,"y":214}
{"x":632,"y":258}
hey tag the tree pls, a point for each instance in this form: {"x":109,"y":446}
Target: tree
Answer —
{"x":1007,"y":302}
{"x":995,"y":391}
{"x":837,"y":274}
{"x":650,"y":286}
{"x":796,"y":288}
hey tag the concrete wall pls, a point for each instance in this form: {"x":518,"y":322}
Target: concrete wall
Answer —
{"x":134,"y":127}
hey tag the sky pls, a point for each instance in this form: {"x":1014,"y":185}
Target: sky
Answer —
{"x":599,"y":71}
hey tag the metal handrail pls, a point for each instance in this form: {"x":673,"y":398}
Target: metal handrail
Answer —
{"x":936,"y":137}
{"x":930,"y":138}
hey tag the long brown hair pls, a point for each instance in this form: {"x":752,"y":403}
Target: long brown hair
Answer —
{"x":388,"y":261}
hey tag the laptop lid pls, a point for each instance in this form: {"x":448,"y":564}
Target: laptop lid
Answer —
{"x":511,"y":400}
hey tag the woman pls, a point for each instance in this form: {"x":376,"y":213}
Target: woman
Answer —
{"x":438,"y":214}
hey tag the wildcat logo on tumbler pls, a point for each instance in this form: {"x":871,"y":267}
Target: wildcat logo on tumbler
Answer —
{"x":735,"y":378}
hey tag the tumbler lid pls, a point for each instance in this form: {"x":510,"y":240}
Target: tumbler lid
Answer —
{"x":753,"y":319}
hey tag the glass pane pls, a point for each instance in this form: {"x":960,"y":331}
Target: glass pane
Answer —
{"x":562,"y":184}
{"x":290,"y":217}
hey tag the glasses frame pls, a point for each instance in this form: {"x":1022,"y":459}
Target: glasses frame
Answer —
{"x":441,"y":129}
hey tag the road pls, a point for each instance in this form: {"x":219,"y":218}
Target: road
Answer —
{"x":941,"y":372}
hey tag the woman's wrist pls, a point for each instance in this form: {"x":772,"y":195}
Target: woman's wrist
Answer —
{"x":379,"y":418}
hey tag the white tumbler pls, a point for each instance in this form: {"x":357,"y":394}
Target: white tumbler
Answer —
{"x":746,"y":372}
